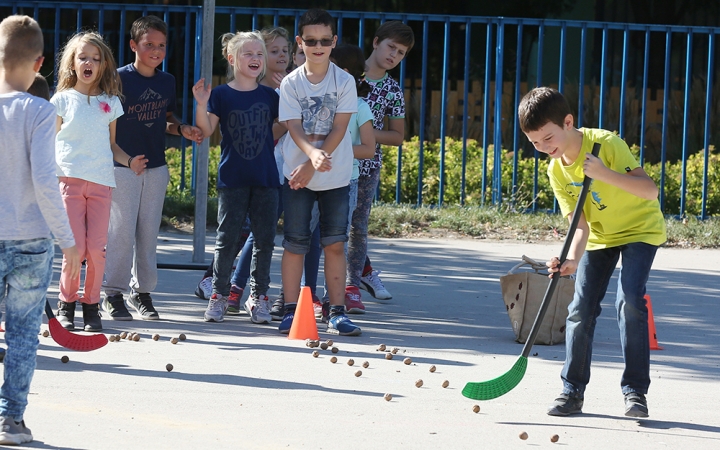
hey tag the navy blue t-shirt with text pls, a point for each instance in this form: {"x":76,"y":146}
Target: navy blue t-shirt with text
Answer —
{"x":141,"y":130}
{"x":247,"y":147}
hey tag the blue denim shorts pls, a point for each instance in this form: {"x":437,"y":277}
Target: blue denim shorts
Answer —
{"x":298,"y":204}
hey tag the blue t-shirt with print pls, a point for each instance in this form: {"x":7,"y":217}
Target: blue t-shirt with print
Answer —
{"x":141,"y":131}
{"x":246,"y":148}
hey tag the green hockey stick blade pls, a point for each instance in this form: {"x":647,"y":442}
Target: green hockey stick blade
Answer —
{"x":488,"y":390}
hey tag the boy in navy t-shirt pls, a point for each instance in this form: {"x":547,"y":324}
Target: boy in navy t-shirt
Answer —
{"x":137,"y":202}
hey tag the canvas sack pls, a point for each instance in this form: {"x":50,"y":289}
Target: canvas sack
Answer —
{"x":523,"y":292}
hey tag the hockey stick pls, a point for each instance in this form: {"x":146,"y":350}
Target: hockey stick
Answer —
{"x":487,"y":390}
{"x":67,"y":339}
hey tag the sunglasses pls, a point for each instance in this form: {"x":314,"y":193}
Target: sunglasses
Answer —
{"x":314,"y":42}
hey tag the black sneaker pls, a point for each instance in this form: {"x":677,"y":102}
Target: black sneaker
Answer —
{"x":142,"y":302}
{"x":635,"y":405}
{"x":66,"y":314}
{"x":277,"y":310}
{"x":325,"y":316}
{"x":91,"y":317}
{"x":115,"y":306}
{"x":566,"y":405}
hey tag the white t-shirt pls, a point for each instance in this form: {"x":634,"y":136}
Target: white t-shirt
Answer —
{"x":82,"y":146}
{"x":316,"y":105}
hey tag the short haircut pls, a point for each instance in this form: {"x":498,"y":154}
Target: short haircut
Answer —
{"x":142,"y":25}
{"x":40,"y":87}
{"x":541,"y":106}
{"x":270,"y":34}
{"x":316,"y":17}
{"x":21,"y":41}
{"x":232,"y":44}
{"x":397,"y":32}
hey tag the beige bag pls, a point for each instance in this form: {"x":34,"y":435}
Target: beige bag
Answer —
{"x":523,"y":293}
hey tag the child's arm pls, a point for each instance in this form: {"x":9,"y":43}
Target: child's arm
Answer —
{"x":205,"y":121}
{"x":319,"y":159}
{"x":278,"y":130}
{"x":135,"y":163}
{"x":366,"y":148}
{"x":636,"y":182}
{"x":395,"y":133}
{"x":340,"y":124}
{"x":577,"y":248}
{"x":187,"y":131}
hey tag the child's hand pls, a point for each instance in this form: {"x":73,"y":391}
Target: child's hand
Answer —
{"x":568,"y":267}
{"x":593,"y":166}
{"x":72,"y":261}
{"x":278,"y":77}
{"x":201,"y":92}
{"x":192,"y":133}
{"x":138,"y":164}
{"x":321,"y":161}
{"x":301,"y":176}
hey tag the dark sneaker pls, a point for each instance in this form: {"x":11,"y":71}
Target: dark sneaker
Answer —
{"x":635,"y":405}
{"x":325,"y":314}
{"x":14,"y":433}
{"x":340,"y":324}
{"x":66,"y":314}
{"x":277,"y":310}
{"x":91,"y":317}
{"x":233,"y":300}
{"x":142,"y":302}
{"x":287,"y":320}
{"x":115,"y":306}
{"x":566,"y":405}
{"x":204,"y":288}
{"x":2,"y":354}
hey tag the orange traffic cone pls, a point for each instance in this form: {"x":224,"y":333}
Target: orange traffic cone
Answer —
{"x":651,"y":326}
{"x":304,"y":325}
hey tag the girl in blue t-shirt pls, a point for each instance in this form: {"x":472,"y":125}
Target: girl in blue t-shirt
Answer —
{"x":87,"y":106}
{"x":248,"y":179}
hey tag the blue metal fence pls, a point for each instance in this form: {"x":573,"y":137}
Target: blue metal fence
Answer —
{"x":653,"y":84}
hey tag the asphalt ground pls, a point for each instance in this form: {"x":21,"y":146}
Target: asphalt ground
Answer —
{"x":240,"y":385}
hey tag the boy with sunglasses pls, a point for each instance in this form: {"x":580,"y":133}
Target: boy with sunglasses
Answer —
{"x":316,"y":102}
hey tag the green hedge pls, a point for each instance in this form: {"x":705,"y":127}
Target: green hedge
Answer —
{"x":473,"y":183}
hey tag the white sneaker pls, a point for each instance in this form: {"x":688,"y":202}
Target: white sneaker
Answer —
{"x":258,"y":309}
{"x":217,"y":306}
{"x":374,"y":286}
{"x":204,"y":288}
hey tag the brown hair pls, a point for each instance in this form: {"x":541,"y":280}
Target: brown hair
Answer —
{"x":397,"y":32}
{"x":541,"y":106}
{"x":40,"y":87}
{"x":351,"y":58}
{"x":108,"y":80}
{"x":21,"y":41}
{"x":141,"y":26}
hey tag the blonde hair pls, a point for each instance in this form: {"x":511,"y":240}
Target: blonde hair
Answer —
{"x":108,"y":80}
{"x":270,"y":34}
{"x":232,"y":43}
{"x":21,"y":40}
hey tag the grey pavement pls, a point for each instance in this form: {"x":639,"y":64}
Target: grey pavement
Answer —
{"x":240,"y":385}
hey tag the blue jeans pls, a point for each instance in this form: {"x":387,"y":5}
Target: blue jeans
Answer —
{"x":25,"y":271}
{"x":298,"y":204}
{"x":234,"y":204}
{"x":593,"y":276}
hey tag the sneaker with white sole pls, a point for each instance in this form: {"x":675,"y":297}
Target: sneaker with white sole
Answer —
{"x":14,"y":433}
{"x":566,"y":405}
{"x":277,"y":310}
{"x":287,"y":319}
{"x":317,"y":306}
{"x":217,"y":306}
{"x":234,"y":297}
{"x":204,"y":288}
{"x":341,"y":325}
{"x":636,"y":405}
{"x":374,"y":285}
{"x":353,"y":304}
{"x":259,"y":309}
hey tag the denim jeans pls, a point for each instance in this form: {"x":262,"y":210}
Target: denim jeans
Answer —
{"x":298,"y":203}
{"x":25,"y":271}
{"x":234,"y":204}
{"x":593,"y":276}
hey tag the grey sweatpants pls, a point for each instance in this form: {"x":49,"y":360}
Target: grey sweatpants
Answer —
{"x":135,"y":217}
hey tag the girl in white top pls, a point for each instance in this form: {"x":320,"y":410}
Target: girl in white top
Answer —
{"x":87,"y":106}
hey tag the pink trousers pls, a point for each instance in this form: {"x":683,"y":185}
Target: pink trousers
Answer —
{"x":88,"y":208}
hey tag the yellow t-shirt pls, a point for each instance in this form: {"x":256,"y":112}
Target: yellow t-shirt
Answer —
{"x":615,"y":217}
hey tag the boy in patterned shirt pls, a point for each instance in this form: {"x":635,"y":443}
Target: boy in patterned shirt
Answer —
{"x":393,"y":40}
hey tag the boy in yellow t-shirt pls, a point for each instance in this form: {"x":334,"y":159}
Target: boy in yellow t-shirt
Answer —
{"x":621,"y":217}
